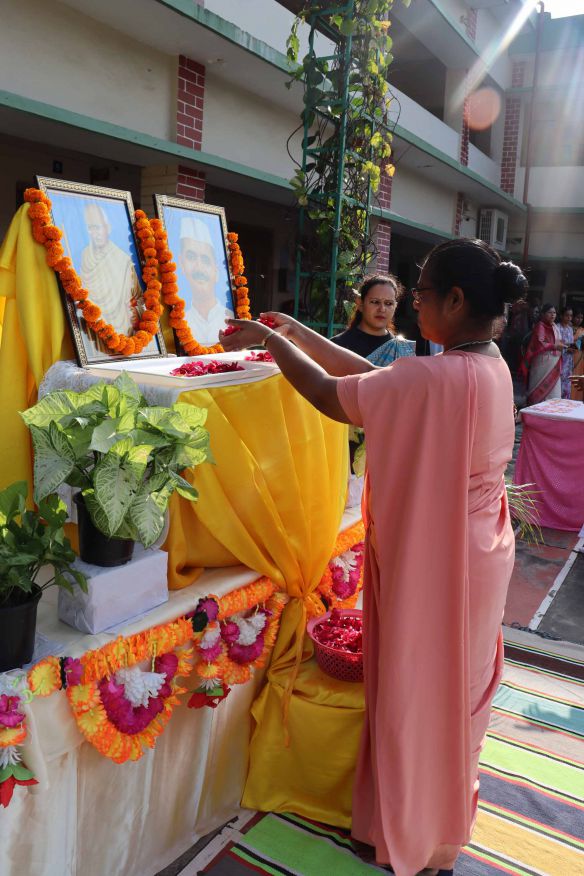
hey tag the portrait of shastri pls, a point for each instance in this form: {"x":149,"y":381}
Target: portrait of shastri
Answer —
{"x":196,"y":237}
{"x":98,"y":238}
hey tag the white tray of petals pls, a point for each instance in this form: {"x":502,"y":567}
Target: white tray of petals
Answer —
{"x":193,"y":372}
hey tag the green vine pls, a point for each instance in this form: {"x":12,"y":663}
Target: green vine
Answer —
{"x":346,"y":143}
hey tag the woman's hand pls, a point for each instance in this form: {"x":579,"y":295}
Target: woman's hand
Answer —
{"x":248,"y":333}
{"x":285,"y":325}
{"x":560,"y":348}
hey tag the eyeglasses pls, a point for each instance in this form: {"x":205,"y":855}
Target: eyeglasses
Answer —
{"x":415,"y":290}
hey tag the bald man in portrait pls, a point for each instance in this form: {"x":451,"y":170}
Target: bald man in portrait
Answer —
{"x":206,"y":316}
{"x":108,"y":273}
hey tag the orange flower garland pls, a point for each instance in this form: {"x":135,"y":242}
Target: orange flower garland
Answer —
{"x":43,"y":231}
{"x":239,"y":281}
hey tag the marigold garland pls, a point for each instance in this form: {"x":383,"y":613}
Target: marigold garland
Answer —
{"x":82,"y":676}
{"x":44,"y":232}
{"x":346,"y":540}
{"x":177,"y":304}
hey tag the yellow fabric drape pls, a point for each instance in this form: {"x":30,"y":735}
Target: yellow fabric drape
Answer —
{"x":34,"y":336}
{"x":273,"y":501}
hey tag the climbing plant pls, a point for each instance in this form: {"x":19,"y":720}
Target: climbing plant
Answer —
{"x":346,"y":146}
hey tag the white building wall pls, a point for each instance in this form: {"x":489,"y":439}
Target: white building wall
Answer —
{"x":267,"y":21}
{"x":55,"y":55}
{"x":416,"y":198}
{"x":414,"y":118}
{"x":241,"y":127}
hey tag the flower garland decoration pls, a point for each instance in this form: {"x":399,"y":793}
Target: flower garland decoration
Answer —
{"x":230,"y":649}
{"x":44,"y":232}
{"x":342,"y":581}
{"x":172,"y":299}
{"x":237,"y":268}
{"x":14,"y":693}
{"x":123,"y":694}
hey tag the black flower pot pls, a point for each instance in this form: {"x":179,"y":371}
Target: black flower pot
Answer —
{"x":17,"y":631}
{"x":96,"y":548}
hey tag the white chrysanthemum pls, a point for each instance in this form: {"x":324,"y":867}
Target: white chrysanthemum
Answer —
{"x":140,"y":686}
{"x":346,"y":562}
{"x":250,"y":627}
{"x":9,"y":756}
{"x":210,"y":683}
{"x":211,"y":636}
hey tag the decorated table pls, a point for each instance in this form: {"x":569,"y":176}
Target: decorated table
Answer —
{"x":549,"y":456}
{"x":105,"y":768}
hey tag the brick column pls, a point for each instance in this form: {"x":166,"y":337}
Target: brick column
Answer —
{"x":465,"y":130}
{"x":511,"y":131}
{"x":383,"y":230}
{"x":458,"y":214}
{"x":189,"y":124}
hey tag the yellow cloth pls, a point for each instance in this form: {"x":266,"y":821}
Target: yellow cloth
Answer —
{"x":313,"y":775}
{"x":34,"y":336}
{"x":273,"y":502}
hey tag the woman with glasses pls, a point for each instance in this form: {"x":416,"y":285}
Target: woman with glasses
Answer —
{"x":370,"y":331}
{"x":439,"y":547}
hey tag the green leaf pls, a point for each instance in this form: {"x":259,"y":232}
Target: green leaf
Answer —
{"x":147,"y":514}
{"x":80,"y":579}
{"x":12,"y":501}
{"x":65,"y":583}
{"x":104,"y":436}
{"x":49,"y":409}
{"x":53,"y":510}
{"x":191,"y":414}
{"x":347,"y":26}
{"x":115,"y":484}
{"x":183,"y":487}
{"x":52,"y":466}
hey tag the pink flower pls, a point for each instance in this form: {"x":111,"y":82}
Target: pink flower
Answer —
{"x":209,"y":655}
{"x":230,"y":632}
{"x":247,"y":653}
{"x":209,"y":606}
{"x":9,"y":714}
{"x":133,"y":719}
{"x":73,"y":670}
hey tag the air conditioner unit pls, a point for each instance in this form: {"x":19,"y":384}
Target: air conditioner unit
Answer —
{"x":493,"y":227}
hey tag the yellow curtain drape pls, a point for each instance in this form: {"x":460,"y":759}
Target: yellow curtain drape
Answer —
{"x":34,"y":336}
{"x":273,"y":501}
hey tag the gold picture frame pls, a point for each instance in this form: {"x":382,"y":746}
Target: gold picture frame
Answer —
{"x":197,"y":238}
{"x":98,"y":236}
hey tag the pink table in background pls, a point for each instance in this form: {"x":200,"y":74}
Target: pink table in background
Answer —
{"x":551,"y":455}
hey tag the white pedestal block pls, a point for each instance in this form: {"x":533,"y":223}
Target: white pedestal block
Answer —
{"x":116,"y":594}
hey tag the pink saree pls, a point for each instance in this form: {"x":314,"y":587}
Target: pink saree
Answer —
{"x":542,"y":365}
{"x":440,"y":552}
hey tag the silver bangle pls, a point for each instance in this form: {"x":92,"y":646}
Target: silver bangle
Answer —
{"x":268,"y":336}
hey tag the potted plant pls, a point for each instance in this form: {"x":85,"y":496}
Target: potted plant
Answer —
{"x":125,"y":456}
{"x":29,"y":541}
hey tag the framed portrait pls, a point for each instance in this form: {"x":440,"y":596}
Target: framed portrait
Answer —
{"x":197,"y":238}
{"x":98,"y":236}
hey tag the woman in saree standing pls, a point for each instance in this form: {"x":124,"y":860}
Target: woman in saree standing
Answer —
{"x":542,"y":363}
{"x":370,"y":331}
{"x":439,"y":547}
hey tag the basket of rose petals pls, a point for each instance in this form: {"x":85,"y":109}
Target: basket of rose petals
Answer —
{"x":338,"y":643}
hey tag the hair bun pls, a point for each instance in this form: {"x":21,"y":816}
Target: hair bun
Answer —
{"x":510,"y":282}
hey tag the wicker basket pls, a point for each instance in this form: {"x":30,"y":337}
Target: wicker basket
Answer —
{"x":335,"y":662}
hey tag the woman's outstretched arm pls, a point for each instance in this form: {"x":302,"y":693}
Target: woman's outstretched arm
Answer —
{"x":306,"y":376}
{"x":335,"y":360}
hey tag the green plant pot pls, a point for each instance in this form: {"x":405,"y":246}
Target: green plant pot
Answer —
{"x":17,"y":631}
{"x":96,"y":548}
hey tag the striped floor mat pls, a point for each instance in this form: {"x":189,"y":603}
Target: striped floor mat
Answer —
{"x":531,"y":809}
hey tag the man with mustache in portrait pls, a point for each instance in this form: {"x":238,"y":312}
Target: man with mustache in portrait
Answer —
{"x":206,"y":316}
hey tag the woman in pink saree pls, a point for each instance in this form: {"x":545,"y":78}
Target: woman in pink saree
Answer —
{"x":439,"y":548}
{"x":542,"y":363}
